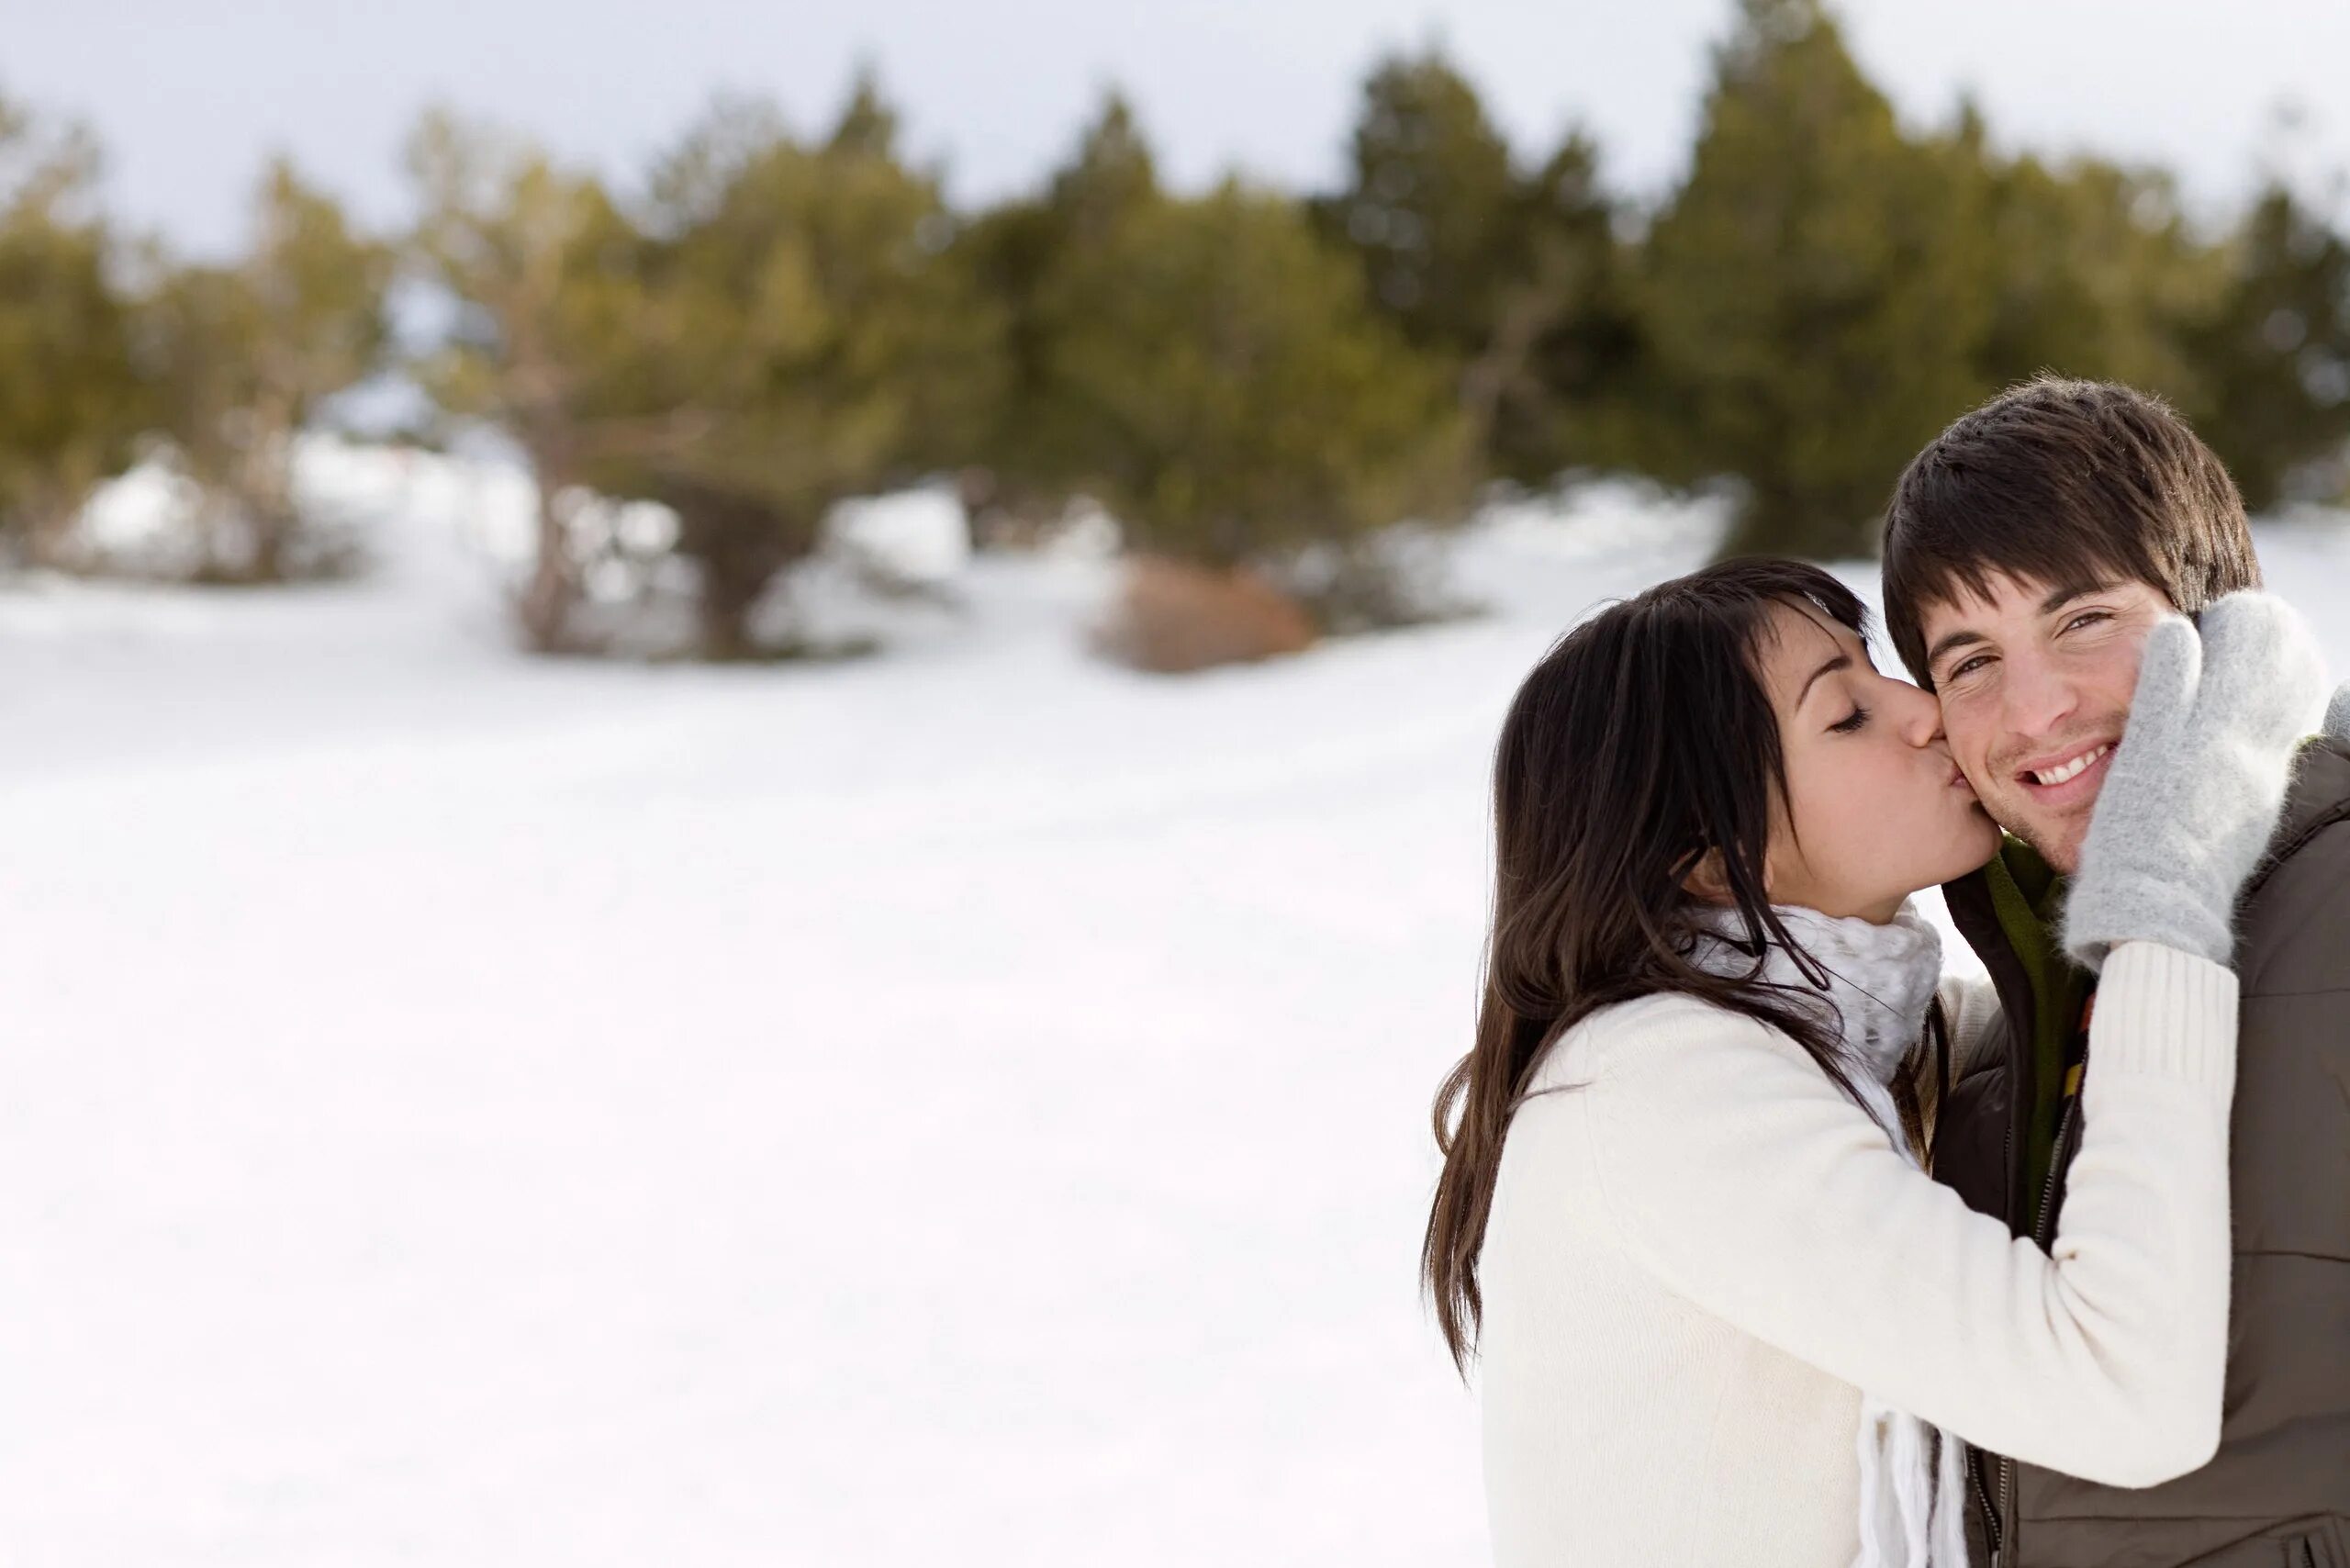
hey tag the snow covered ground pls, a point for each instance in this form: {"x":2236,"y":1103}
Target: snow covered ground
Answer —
{"x":966,"y":1106}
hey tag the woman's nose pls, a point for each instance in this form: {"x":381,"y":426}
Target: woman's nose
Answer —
{"x":1917,"y":713}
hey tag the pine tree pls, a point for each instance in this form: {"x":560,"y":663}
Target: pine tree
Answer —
{"x":1515,"y":279}
{"x":2094,"y":273}
{"x":1815,"y":290}
{"x":72,"y":400}
{"x":246,"y":355}
{"x":1111,"y":172}
{"x":1564,"y":379}
{"x":812,"y":332}
{"x":2272,"y":365}
{"x":545,"y":269}
{"x":1032,"y":455}
{"x":1232,"y":393}
{"x":1432,"y":206}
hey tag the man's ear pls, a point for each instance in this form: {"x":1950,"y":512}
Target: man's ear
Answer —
{"x":1705,"y":880}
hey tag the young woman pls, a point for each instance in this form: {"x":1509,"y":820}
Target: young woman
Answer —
{"x":1721,"y":1313}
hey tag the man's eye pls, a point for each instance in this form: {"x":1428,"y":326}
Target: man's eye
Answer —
{"x":2089,"y":618}
{"x":1966,"y":666}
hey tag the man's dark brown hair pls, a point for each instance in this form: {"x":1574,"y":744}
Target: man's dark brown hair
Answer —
{"x":2070,"y":484}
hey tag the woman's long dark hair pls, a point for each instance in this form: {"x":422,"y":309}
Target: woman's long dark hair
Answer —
{"x":1644,"y":739}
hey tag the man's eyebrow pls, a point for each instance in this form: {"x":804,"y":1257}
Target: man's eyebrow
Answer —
{"x":2064,"y":596}
{"x":1841,"y":661}
{"x":1958,"y":639}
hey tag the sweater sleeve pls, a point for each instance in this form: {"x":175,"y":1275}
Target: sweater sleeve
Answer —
{"x":1757,"y":1190}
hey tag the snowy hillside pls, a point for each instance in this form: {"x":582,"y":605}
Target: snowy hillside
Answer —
{"x":964,"y":1105}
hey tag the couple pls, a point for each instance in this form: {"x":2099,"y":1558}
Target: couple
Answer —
{"x":1773,"y":1246}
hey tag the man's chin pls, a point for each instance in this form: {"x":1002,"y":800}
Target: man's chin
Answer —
{"x":2065,"y":859}
{"x":2059,"y":843}
{"x":2055,"y":833}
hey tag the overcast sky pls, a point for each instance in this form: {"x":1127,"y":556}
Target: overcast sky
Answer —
{"x":188,"y":96}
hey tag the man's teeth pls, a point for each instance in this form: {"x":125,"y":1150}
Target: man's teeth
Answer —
{"x":2071,"y":769}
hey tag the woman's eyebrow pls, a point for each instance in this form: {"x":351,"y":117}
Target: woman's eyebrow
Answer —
{"x":1841,"y":661}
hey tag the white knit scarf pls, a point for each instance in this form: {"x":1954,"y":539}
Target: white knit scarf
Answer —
{"x":1880,"y":979}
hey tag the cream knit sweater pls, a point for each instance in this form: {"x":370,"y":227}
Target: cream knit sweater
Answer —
{"x":1701,"y":1252}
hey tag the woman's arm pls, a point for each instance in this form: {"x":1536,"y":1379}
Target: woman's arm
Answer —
{"x":1755,"y":1188}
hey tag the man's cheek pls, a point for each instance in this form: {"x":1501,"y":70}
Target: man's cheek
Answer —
{"x":2124,"y":684}
{"x":1972,"y":756}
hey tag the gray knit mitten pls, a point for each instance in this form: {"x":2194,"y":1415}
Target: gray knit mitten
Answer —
{"x":2337,"y":713}
{"x":2197,"y":782}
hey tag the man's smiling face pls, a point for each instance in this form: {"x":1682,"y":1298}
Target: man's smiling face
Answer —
{"x":2035,"y":682}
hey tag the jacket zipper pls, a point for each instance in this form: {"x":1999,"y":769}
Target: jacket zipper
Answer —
{"x":2055,"y":1166}
{"x":1983,"y":1496}
{"x":1993,"y":1521}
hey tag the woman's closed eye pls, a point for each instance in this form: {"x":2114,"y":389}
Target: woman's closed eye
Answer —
{"x":1859,"y":716}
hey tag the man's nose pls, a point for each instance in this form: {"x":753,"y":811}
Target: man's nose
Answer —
{"x":2037,"y":698}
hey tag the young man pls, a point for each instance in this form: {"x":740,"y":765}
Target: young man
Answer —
{"x":2026,"y":553}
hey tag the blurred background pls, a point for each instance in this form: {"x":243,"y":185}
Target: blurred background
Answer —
{"x":741,"y":748}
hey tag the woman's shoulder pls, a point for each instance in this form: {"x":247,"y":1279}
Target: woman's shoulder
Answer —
{"x":1612,"y":1045}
